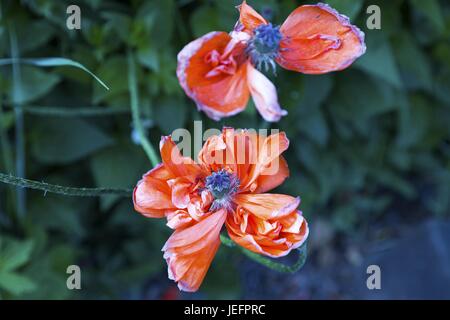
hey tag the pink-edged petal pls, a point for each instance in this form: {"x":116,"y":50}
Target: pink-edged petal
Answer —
{"x":190,"y":251}
{"x":211,"y":72}
{"x":264,"y":95}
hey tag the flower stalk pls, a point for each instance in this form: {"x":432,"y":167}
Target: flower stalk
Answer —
{"x":66,"y":191}
{"x":134,"y":100}
{"x":269,"y":263}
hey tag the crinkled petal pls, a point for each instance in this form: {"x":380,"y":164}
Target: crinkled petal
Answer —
{"x":174,"y":162}
{"x":317,"y":39}
{"x":269,"y":161}
{"x":272,"y":179}
{"x":218,"y":94}
{"x":249,"y":17}
{"x":152,"y":195}
{"x":181,"y":188}
{"x":266,"y":205}
{"x":190,"y":251}
{"x":179,"y":219}
{"x":274,"y":238}
{"x":254,"y":158}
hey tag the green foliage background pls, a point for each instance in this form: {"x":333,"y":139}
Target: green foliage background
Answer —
{"x":364,"y":142}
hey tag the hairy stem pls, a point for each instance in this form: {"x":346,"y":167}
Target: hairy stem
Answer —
{"x":66,"y":191}
{"x":270,"y":263}
{"x":74,"y":112}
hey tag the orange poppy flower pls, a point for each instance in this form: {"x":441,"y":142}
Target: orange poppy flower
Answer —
{"x":227,"y":185}
{"x":219,"y":71}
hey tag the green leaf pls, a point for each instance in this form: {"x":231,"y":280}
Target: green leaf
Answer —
{"x":158,"y":16}
{"x":431,"y":9}
{"x":315,"y":127}
{"x":34,"y":34}
{"x":34,"y":84}
{"x":170,"y":114}
{"x":66,"y":141}
{"x":148,"y":56}
{"x":53,"y":62}
{"x":110,"y":71}
{"x":414,"y":122}
{"x":316,"y":91}
{"x":126,"y":161}
{"x":47,"y":212}
{"x":16,"y":284}
{"x":204,"y":20}
{"x":379,"y":60}
{"x":15,"y":255}
{"x":359,"y":98}
{"x":414,"y":65}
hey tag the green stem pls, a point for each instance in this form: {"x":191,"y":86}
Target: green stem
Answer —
{"x":270,"y":263}
{"x":19,"y":120}
{"x":134,"y":99}
{"x":5,"y":145}
{"x":8,"y":160}
{"x":73,"y":112}
{"x":66,"y":191}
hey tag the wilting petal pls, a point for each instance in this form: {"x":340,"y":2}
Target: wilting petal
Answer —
{"x":181,"y":188}
{"x":266,"y":205}
{"x":199,"y":206}
{"x":152,"y":195}
{"x":178,"y":165}
{"x":268,"y":181}
{"x":274,"y":238}
{"x":215,"y":153}
{"x":249,"y":18}
{"x":178,"y":219}
{"x":264,"y":95}
{"x":189,"y":251}
{"x":317,"y":39}
{"x":268,"y":161}
{"x":212,"y":73}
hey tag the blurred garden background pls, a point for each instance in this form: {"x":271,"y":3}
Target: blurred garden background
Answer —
{"x":369,"y":154}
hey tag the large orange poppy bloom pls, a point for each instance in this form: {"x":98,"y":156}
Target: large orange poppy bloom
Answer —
{"x":227,"y":185}
{"x":219,"y":71}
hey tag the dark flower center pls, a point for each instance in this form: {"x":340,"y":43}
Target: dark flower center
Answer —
{"x":222,"y":185}
{"x":264,"y":46}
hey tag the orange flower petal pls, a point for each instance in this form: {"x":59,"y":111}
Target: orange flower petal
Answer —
{"x":216,"y":153}
{"x":152,"y":195}
{"x":267,"y":206}
{"x":268,"y":160}
{"x":266,"y":182}
{"x":317,"y":39}
{"x":175,"y":163}
{"x":249,"y":18}
{"x":181,"y":188}
{"x":274,"y":238}
{"x":255,"y":159}
{"x":264,"y":95}
{"x":178,"y":219}
{"x":218,"y":89}
{"x":189,"y":251}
